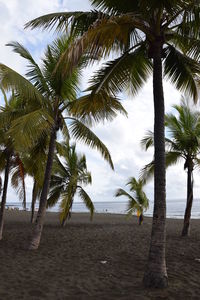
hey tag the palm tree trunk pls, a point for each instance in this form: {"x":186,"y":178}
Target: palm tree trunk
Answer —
{"x":68,"y":216}
{"x":186,"y":224}
{"x":34,"y":244}
{"x":24,"y":194}
{"x":156,"y":273}
{"x":3,"y":202}
{"x":140,"y":221}
{"x":33,"y":201}
{"x":63,"y":222}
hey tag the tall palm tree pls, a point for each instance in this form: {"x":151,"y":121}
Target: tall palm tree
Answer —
{"x":53,"y":93}
{"x":162,"y":36}
{"x":139,"y":201}
{"x":69,"y":174}
{"x":182,"y":144}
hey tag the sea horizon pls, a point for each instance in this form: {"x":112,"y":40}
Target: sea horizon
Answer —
{"x":175,"y":207}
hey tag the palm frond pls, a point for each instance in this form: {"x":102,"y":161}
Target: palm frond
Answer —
{"x":54,"y":196}
{"x":87,"y":201}
{"x":4,"y":96}
{"x":135,"y":185}
{"x":121,"y":192}
{"x":63,"y":86}
{"x":30,"y":127}
{"x":34,"y":74}
{"x":17,"y":180}
{"x":129,"y":71}
{"x":103,"y":36}
{"x":77,"y":21}
{"x":182,"y":71}
{"x":115,"y":6}
{"x":172,"y":158}
{"x":96,"y":107}
{"x":59,"y":168}
{"x":11,"y":80}
{"x":148,"y":140}
{"x":133,"y":207}
{"x":147,"y":172}
{"x":81,"y":132}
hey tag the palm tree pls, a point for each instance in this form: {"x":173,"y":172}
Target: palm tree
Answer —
{"x":10,"y":158}
{"x":53,"y":93}
{"x":145,"y":35}
{"x":182,"y":144}
{"x":69,"y":174}
{"x":139,"y":201}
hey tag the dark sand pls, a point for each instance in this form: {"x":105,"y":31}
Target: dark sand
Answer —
{"x":69,"y":263}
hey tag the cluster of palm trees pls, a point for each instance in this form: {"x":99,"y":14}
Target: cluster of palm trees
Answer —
{"x":147,"y":37}
{"x":43,"y":104}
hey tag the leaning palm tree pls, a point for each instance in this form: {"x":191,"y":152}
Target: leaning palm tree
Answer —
{"x":53,"y":93}
{"x":182,"y":144}
{"x":69,"y":174}
{"x":139,"y":201}
{"x":162,"y":36}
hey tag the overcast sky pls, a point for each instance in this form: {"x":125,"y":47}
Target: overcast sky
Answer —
{"x":122,"y":136}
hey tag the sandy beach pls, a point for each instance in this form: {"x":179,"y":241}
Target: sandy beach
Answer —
{"x":102,"y":259}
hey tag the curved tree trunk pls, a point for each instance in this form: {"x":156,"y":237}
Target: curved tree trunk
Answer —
{"x":156,"y":273}
{"x":3,"y":202}
{"x":34,"y":244}
{"x":68,"y":216}
{"x":186,"y":224}
{"x":33,"y":201}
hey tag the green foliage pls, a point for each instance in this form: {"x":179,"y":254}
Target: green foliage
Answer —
{"x":138,"y":201}
{"x":81,"y":132}
{"x":182,"y":141}
{"x":129,"y":29}
{"x":14,"y":109}
{"x":50,"y":98}
{"x":69,"y":174}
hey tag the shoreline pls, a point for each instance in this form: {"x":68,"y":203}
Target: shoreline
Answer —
{"x":103,"y":213}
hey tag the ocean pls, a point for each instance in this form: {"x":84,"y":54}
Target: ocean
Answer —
{"x":175,"y":207}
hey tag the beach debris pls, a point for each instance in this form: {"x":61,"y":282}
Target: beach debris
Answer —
{"x":103,"y":261}
{"x":197,"y":259}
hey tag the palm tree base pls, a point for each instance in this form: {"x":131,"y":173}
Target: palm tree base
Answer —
{"x":186,"y":230}
{"x":155,"y":280}
{"x":35,"y":242}
{"x":33,"y":246}
{"x":1,"y":231}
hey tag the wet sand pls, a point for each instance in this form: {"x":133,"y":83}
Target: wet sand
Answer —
{"x":102,"y":259}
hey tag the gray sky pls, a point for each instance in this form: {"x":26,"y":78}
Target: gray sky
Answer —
{"x":122,"y":136}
